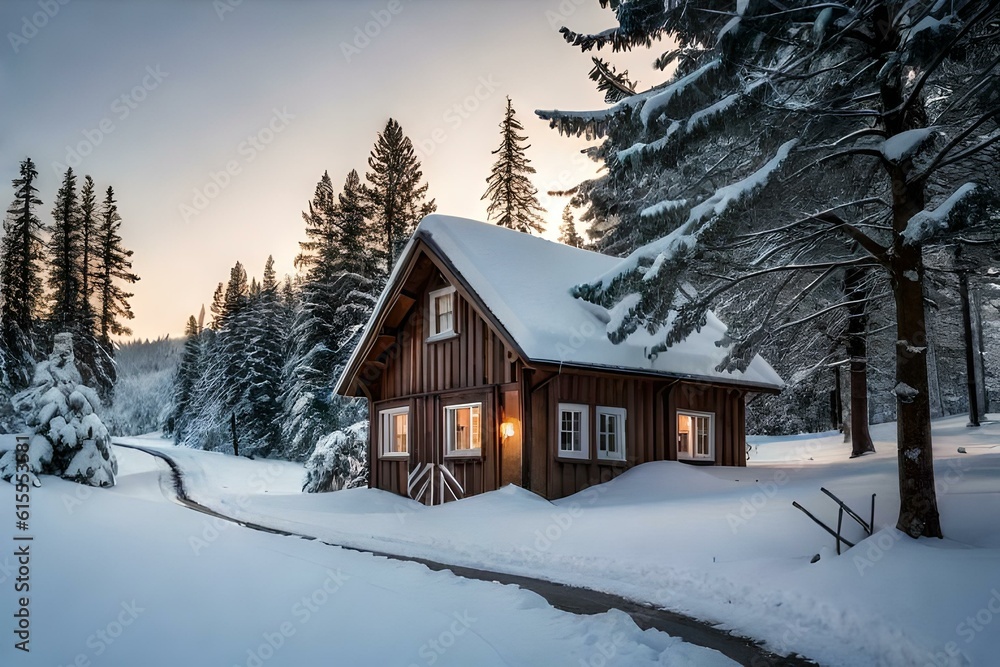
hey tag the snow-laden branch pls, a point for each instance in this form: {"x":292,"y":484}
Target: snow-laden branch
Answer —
{"x":925,"y":224}
{"x":700,"y":219}
{"x":657,"y":104}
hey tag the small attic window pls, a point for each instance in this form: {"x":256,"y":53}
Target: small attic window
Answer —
{"x":442,"y":313}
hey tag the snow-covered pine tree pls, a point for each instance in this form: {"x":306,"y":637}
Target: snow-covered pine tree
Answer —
{"x":184,"y":382}
{"x":258,"y":407}
{"x":68,"y":437}
{"x":513,"y":199}
{"x":321,"y":226}
{"x":900,"y":91}
{"x":567,"y":230}
{"x":394,"y":195}
{"x":336,"y":299}
{"x":339,"y":461}
{"x":21,"y":256}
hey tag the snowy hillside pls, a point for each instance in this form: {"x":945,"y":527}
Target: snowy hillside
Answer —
{"x":143,"y":392}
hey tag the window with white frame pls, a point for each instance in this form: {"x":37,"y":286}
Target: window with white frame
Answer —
{"x":695,"y":435}
{"x":463,"y":429}
{"x":573,"y":431}
{"x":442,"y":313}
{"x":394,"y":433}
{"x":611,"y":433}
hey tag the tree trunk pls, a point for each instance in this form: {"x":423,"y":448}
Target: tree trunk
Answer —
{"x":857,"y":351}
{"x":970,"y":350}
{"x":918,"y":512}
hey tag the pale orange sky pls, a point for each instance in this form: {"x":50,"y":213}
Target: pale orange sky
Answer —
{"x":163,"y":97}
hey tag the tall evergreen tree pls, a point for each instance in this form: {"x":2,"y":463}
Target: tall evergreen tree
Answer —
{"x":93,"y":358}
{"x":567,"y":230}
{"x":184,"y":382}
{"x":21,"y":255}
{"x":321,"y":227}
{"x":113,"y":264}
{"x":237,"y":295}
{"x":258,"y":405}
{"x":899,"y":92}
{"x":395,"y":194}
{"x":513,"y":199}
{"x":218,"y":305}
{"x":336,"y":300}
{"x":64,"y":255}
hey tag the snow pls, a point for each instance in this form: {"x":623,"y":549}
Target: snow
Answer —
{"x":722,"y":544}
{"x":656,"y":104}
{"x":663,"y":207}
{"x":704,"y":115}
{"x":524,"y":281}
{"x":925,"y":224}
{"x":931,"y":24}
{"x":115,"y":580}
{"x":905,"y":144}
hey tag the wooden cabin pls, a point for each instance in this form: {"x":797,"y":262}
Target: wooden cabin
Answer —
{"x":480,"y":370}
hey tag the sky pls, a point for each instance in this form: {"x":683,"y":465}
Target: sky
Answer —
{"x":214,"y":119}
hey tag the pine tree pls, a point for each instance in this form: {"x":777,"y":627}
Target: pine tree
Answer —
{"x":894,"y":111}
{"x":237,"y":295}
{"x":567,"y":231}
{"x":258,"y":405}
{"x":513,"y":199}
{"x":94,"y":360}
{"x":218,"y":305}
{"x":321,"y":228}
{"x":184,"y":381}
{"x":64,"y":251}
{"x":337,"y":298}
{"x":21,"y":254}
{"x":112,"y":265}
{"x":395,"y":195}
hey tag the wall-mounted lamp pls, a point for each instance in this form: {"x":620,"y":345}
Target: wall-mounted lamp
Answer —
{"x":507,"y":429}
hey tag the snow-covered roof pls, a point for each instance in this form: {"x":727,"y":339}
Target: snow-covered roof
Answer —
{"x":524,"y":282}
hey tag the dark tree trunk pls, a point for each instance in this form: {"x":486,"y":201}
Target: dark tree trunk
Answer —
{"x":918,"y":512}
{"x":970,"y":348}
{"x":857,"y":350}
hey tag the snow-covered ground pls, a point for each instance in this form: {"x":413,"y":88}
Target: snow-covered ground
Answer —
{"x":722,"y":544}
{"x":124,"y":578}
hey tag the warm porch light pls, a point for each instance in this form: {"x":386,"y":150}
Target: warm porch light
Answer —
{"x":507,"y":429}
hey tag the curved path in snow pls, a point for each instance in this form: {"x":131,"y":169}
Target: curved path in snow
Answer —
{"x":568,"y":598}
